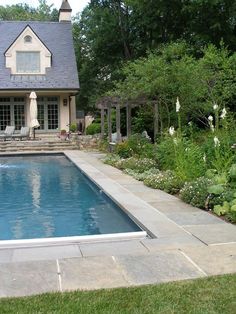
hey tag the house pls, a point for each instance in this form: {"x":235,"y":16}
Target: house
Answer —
{"x":39,"y":57}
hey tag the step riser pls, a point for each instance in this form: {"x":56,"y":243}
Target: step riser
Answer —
{"x":24,"y":146}
{"x":37,"y":149}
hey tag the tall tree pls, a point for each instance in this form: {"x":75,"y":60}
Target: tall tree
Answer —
{"x":102,"y":41}
{"x":23,"y":12}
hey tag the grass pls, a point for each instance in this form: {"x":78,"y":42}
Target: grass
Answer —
{"x":205,"y":296}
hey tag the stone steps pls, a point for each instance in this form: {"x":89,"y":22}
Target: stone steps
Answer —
{"x":16,"y":146}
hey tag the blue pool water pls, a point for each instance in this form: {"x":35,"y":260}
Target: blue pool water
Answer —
{"x":47,"y":196}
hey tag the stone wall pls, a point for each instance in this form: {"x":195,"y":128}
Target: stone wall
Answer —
{"x":88,"y":141}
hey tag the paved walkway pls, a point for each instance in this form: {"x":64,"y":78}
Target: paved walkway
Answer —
{"x":189,"y":243}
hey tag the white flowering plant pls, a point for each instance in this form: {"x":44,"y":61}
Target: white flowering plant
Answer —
{"x":195,"y":192}
{"x":167,"y":181}
{"x":143,"y":175}
{"x":138,"y":164}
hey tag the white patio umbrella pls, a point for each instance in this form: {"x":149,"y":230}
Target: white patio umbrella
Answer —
{"x":33,"y":112}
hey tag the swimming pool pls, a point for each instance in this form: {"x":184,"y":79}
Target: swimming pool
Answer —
{"x":48,"y":197}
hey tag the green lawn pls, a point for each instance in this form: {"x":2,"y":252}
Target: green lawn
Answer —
{"x":210,"y":295}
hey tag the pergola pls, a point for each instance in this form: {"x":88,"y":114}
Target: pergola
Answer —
{"x":109,"y":102}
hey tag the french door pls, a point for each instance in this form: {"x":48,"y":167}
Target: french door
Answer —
{"x":12,"y":112}
{"x":48,"y":113}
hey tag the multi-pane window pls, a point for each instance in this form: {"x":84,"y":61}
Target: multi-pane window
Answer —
{"x":12,"y":112}
{"x":19,"y":116}
{"x":5,"y":116}
{"x":52,"y":116}
{"x":5,"y":99}
{"x":48,"y":113}
{"x":41,"y":118}
{"x":28,"y":62}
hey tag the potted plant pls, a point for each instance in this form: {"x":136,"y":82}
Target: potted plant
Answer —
{"x":63,"y":134}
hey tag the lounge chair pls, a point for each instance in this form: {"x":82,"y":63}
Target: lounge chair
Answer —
{"x":7,"y":133}
{"x":24,"y":133}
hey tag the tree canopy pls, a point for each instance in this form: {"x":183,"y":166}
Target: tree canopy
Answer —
{"x":111,"y":33}
{"x":24,"y":12}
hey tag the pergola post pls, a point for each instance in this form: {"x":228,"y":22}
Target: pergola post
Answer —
{"x":109,"y":123}
{"x":156,"y":121}
{"x":118,"y":123}
{"x":102,"y":122}
{"x":128,"y":120}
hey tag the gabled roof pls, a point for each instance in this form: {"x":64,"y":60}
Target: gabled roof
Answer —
{"x":57,"y":37}
{"x":26,"y":27}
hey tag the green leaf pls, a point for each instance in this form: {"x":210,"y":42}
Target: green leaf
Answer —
{"x":215,"y":189}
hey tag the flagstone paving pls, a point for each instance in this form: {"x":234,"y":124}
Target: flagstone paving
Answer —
{"x":188,"y":243}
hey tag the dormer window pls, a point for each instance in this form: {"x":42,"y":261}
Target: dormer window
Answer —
{"x":28,"y":39}
{"x":28,"y":54}
{"x":28,"y":62}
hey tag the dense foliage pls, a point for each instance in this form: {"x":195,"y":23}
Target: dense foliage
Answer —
{"x":201,"y":168}
{"x":24,"y":12}
{"x":108,"y":33}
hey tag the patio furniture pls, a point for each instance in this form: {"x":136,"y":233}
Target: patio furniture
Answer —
{"x":7,"y":133}
{"x":24,"y":133}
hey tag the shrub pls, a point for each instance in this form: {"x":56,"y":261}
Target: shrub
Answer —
{"x":94,"y":128}
{"x":73,"y":127}
{"x":189,"y":163}
{"x":166,"y":181}
{"x":142,"y":176}
{"x":123,"y":150}
{"x":182,"y":156}
{"x":226,"y":195}
{"x":232,"y":215}
{"x":195,"y":193}
{"x":111,"y":159}
{"x":138,"y":164}
{"x":165,"y":154}
{"x":136,"y":145}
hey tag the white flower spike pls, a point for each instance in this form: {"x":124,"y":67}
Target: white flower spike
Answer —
{"x":171,"y":130}
{"x":177,"y":105}
{"x":212,"y":127}
{"x":210,"y":118}
{"x":215,"y":106}
{"x":216,"y":141}
{"x":223,"y":114}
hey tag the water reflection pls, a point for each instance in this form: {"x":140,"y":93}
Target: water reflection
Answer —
{"x":35,"y":189}
{"x":48,"y":197}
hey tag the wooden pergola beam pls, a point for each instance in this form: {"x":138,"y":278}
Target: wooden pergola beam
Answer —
{"x":156,"y":121}
{"x":118,"y":123}
{"x":128,"y":120}
{"x":109,"y":102}
{"x":102,"y":123}
{"x":109,"y":124}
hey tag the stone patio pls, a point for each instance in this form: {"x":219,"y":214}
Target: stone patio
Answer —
{"x":188,"y":243}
